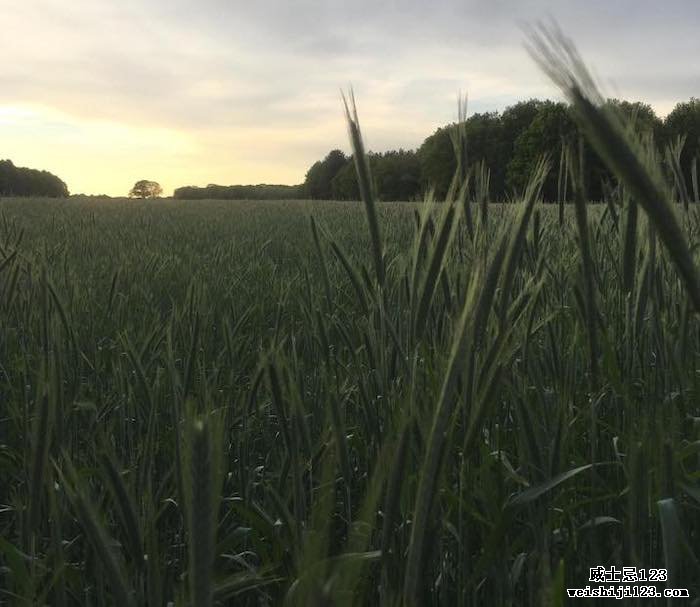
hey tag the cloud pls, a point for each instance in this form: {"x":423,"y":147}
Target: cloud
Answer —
{"x":250,"y":90}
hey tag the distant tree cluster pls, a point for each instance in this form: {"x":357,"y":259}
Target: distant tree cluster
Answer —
{"x":20,"y":181}
{"x":239,"y":192}
{"x":509,"y":143}
{"x":396,"y":176}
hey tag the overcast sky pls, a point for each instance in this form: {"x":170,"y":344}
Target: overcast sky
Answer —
{"x":185,"y":92}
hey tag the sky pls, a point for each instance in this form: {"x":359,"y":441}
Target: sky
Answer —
{"x":184,"y":92}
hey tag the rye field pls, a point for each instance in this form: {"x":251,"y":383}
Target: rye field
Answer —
{"x":308,"y":403}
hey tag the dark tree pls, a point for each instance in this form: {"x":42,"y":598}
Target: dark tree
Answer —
{"x":484,"y":133}
{"x":515,"y":119}
{"x":436,"y":157}
{"x":319,"y":177}
{"x":643,"y":118}
{"x":20,"y":181}
{"x":684,"y":120}
{"x":146,"y":189}
{"x":261,"y":191}
{"x":552,"y":127}
{"x":397,"y":175}
{"x":488,"y":140}
{"x":509,"y":145}
{"x":344,"y":185}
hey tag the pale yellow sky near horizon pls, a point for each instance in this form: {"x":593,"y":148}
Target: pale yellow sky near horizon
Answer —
{"x":105,"y":157}
{"x":103,"y":94}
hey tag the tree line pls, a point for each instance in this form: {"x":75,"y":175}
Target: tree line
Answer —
{"x":261,"y":191}
{"x":21,"y":181}
{"x":506,"y":146}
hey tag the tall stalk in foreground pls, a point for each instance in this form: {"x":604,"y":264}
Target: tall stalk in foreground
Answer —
{"x":616,"y":145}
{"x":364,"y":181}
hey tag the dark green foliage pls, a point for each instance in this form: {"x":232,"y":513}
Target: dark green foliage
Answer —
{"x":344,"y":184}
{"x":20,"y":181}
{"x":437,"y":155}
{"x":642,"y":117}
{"x":515,"y":119}
{"x":484,"y":134}
{"x":550,"y":130}
{"x":396,"y":175}
{"x":239,"y":192}
{"x":684,"y":121}
{"x":437,"y":162}
{"x":317,"y":184}
{"x":509,"y":144}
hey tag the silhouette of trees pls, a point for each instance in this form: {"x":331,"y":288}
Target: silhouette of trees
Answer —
{"x":344,"y":185}
{"x":550,"y":129}
{"x":436,"y":158}
{"x":146,"y":189}
{"x":397,"y":175}
{"x":261,"y":191}
{"x":319,"y":177}
{"x":20,"y":181}
{"x":508,"y":143}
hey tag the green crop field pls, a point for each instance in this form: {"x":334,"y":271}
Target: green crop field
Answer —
{"x":308,"y":403}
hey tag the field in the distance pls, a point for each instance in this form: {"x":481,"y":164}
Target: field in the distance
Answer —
{"x":218,"y":399}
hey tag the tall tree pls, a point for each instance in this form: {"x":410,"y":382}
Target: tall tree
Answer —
{"x":436,"y":157}
{"x":344,"y":184}
{"x":397,"y":175}
{"x":551,"y":128}
{"x":684,"y":120}
{"x":515,"y":119}
{"x":484,"y":132}
{"x":319,"y":177}
{"x":643,"y":117}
